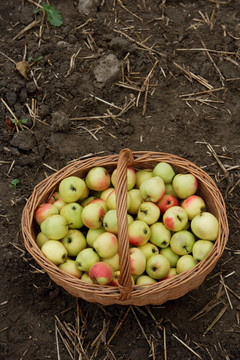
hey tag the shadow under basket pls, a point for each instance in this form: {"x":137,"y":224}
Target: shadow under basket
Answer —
{"x":125,"y":293}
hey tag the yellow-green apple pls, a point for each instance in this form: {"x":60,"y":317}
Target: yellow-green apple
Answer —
{"x":74,"y":242}
{"x":175,"y":218}
{"x":69,"y":266}
{"x":149,"y":249}
{"x":110,"y":221}
{"x":172,"y":257}
{"x":158,"y":266}
{"x":166,"y":202}
{"x":84,"y":194}
{"x":194,"y":205}
{"x":205,"y":226}
{"x":172,"y":272}
{"x":43,"y":211}
{"x":92,"y":215}
{"x":201,"y":248}
{"x":41,"y":239}
{"x":182,"y":242}
{"x":142,"y":175}
{"x":98,"y":179}
{"x":106,"y":245}
{"x":136,"y":200}
{"x":169,"y":190}
{"x":148,"y":212}
{"x":184,"y":185}
{"x":160,"y":235}
{"x":73,"y":214}
{"x":71,"y":188}
{"x":86,"y":201}
{"x":100,"y":202}
{"x":85,"y":277}
{"x":101,"y":273}
{"x":131,"y":178}
{"x":164,"y":171}
{"x":104,"y":194}
{"x":137,"y":261}
{"x":111,"y":201}
{"x":113,"y":261}
{"x":138,"y":233}
{"x":116,"y":275}
{"x":145,"y":280}
{"x":152,"y":189}
{"x":92,"y":235}
{"x":54,"y":251}
{"x":56,"y":200}
{"x":54,"y":227}
{"x":86,"y":258}
{"x":185,"y":262}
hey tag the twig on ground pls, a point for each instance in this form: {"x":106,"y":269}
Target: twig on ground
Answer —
{"x":220,"y":314}
{"x":28,"y":27}
{"x":188,"y":347}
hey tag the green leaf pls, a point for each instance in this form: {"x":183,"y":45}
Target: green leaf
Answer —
{"x":53,"y":16}
{"x":14,"y":183}
{"x":24,"y":121}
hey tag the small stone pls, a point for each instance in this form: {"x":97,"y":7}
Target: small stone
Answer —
{"x":108,"y":69}
{"x":60,"y":122}
{"x":23,"y":140}
{"x":88,"y":6}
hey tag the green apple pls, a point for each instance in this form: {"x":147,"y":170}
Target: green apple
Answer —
{"x":157,"y":266}
{"x":137,"y":261}
{"x":56,"y":200}
{"x":69,"y":266}
{"x":201,"y":248}
{"x":175,"y":218}
{"x":148,"y":212}
{"x":98,"y":179}
{"x":71,"y":188}
{"x":136,"y":200}
{"x":194,"y":205}
{"x":101,"y":273}
{"x":43,"y":211}
{"x":86,"y":201}
{"x":184,"y":185}
{"x":111,"y":201}
{"x":160,"y":235}
{"x":84,"y":194}
{"x":92,"y":235}
{"x":152,"y":189}
{"x":73,"y":214}
{"x":113,"y":261}
{"x":41,"y":239}
{"x":104,"y":194}
{"x":54,"y":251}
{"x":92,"y":215}
{"x":106,"y":245}
{"x":172,"y":257}
{"x":86,"y":258}
{"x":110,"y":221}
{"x":54,"y":227}
{"x":172,"y":272}
{"x":164,"y":171}
{"x":169,"y":190}
{"x":185,"y":262}
{"x":142,"y":175}
{"x":74,"y":242}
{"x":149,"y":250}
{"x":182,"y":242}
{"x":85,"y":277}
{"x":138,"y":233}
{"x":205,"y":226}
{"x":145,"y":280}
{"x":131,"y":178}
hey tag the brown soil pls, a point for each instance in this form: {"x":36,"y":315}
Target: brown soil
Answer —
{"x":169,"y":38}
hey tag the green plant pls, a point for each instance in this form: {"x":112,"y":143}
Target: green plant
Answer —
{"x":53,"y":15}
{"x":30,"y":58}
{"x":19,"y":122}
{"x":13,"y":184}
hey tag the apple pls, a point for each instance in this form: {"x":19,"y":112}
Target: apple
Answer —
{"x":43,"y":211}
{"x":73,"y":214}
{"x":148,"y":212}
{"x":110,"y":221}
{"x":56,"y":200}
{"x":92,"y":235}
{"x":85,"y":277}
{"x":164,"y":171}
{"x":100,"y":202}
{"x":98,"y":179}
{"x":149,"y":250}
{"x":194,"y":205}
{"x":152,"y":189}
{"x":84,"y":194}
{"x":175,"y":218}
{"x":54,"y":227}
{"x":172,"y":256}
{"x":71,"y":188}
{"x":86,"y":258}
{"x":69,"y":266}
{"x":137,"y":261}
{"x":86,"y":201}
{"x":74,"y":242}
{"x":185,"y":262}
{"x":172,"y":272}
{"x":113,"y":261}
{"x":166,"y":202}
{"x":184,"y":185}
{"x":104,"y":194}
{"x":131,"y":178}
{"x":136,"y":200}
{"x":205,"y":226}
{"x":138,"y":233}
{"x":41,"y":239}
{"x":169,"y":190}
{"x":116,"y":275}
{"x":145,"y":280}
{"x":101,"y":273}
{"x":201,"y":248}
{"x":157,"y":266}
{"x":106,"y":245}
{"x":142,"y":175}
{"x":54,"y":251}
{"x":182,"y":242}
{"x":111,"y":201}
{"x":160,"y":235}
{"x":92,"y":215}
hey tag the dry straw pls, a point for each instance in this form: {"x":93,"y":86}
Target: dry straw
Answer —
{"x":125,"y":293}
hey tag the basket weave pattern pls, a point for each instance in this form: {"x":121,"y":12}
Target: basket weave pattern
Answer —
{"x":125,"y":293}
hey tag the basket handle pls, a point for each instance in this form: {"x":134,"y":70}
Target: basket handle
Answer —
{"x":124,"y":282}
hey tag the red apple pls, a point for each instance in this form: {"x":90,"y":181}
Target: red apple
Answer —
{"x":166,"y":202}
{"x":101,"y":273}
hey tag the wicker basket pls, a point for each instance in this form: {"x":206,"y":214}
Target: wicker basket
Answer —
{"x":125,"y":294}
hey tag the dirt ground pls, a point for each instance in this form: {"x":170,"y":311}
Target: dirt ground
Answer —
{"x":171,"y":84}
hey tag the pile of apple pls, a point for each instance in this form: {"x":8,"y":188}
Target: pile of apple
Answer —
{"x":169,"y":227}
